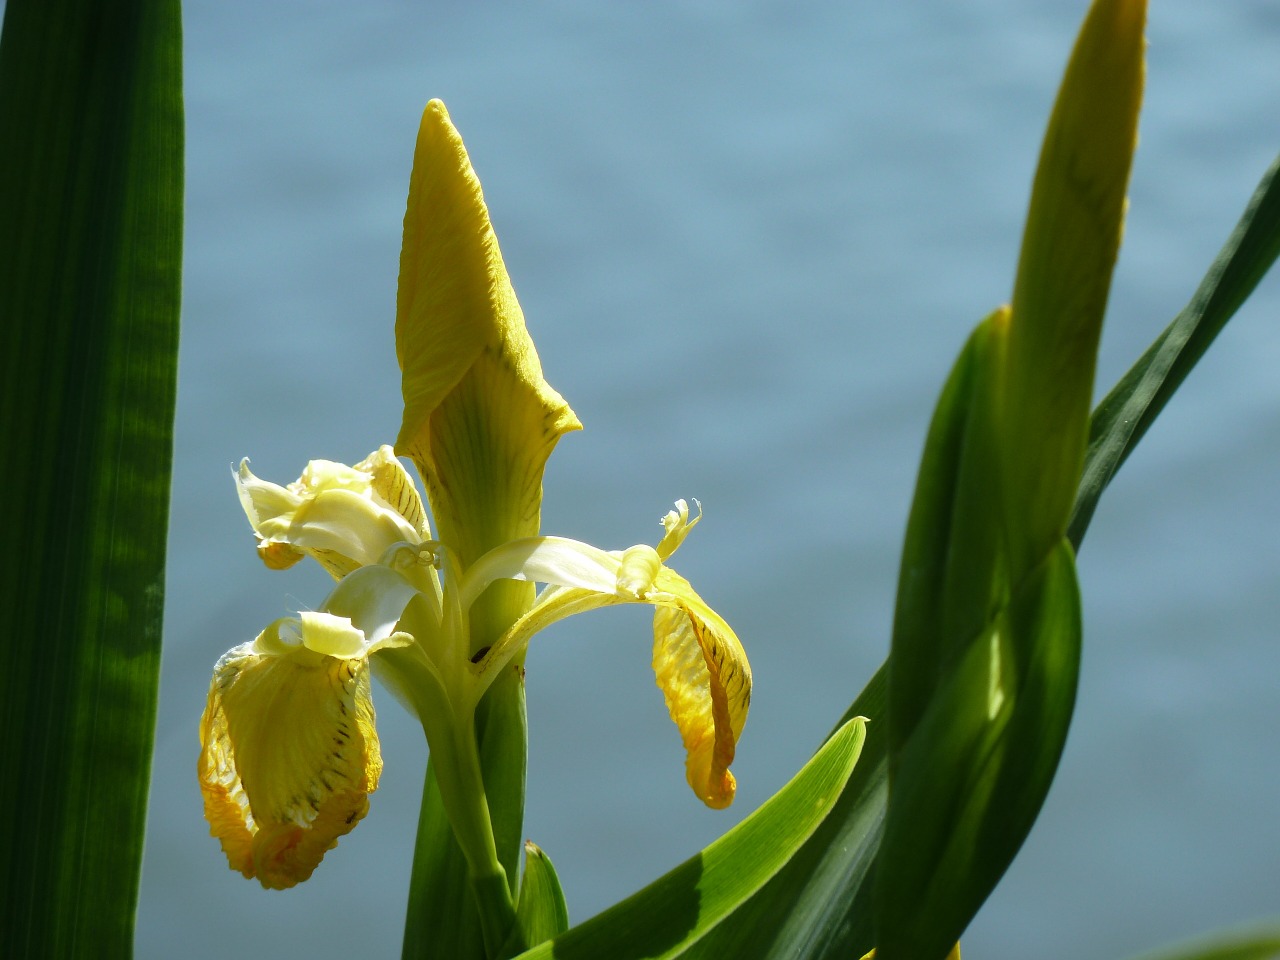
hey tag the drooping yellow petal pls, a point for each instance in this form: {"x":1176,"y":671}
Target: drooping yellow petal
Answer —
{"x":289,"y":756}
{"x":705,"y":679}
{"x":698,"y":661}
{"x":479,"y":419}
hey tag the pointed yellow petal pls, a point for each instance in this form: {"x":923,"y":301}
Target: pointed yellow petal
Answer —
{"x":288,"y":758}
{"x":698,"y":663}
{"x":705,"y":678}
{"x":479,"y":419}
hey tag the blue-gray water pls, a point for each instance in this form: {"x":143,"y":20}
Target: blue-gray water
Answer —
{"x":749,"y":239}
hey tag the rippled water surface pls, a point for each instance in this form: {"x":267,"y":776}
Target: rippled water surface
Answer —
{"x":749,"y":240}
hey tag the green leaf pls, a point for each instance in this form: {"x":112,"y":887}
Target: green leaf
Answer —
{"x":1133,"y":404}
{"x":441,"y":919}
{"x":823,"y":891}
{"x":971,"y":780}
{"x":91,"y":125}
{"x":818,"y":906}
{"x":949,"y":569}
{"x":986,"y":643}
{"x":1259,"y":944}
{"x":673,"y":916}
{"x":981,"y":676}
{"x":541,"y":912}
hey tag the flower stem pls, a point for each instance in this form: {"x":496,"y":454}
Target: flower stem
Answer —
{"x":497,"y":913}
{"x":457,"y":770}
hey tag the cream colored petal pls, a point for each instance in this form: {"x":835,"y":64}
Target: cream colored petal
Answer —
{"x":345,"y":517}
{"x":263,"y":501}
{"x":550,"y":560}
{"x":289,"y":756}
{"x":346,"y":523}
{"x":373,"y":599}
{"x":676,"y":526}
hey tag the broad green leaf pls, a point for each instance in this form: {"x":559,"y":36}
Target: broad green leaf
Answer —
{"x":949,"y":569}
{"x":986,"y":642}
{"x":1123,"y":417}
{"x":673,"y":916}
{"x":91,"y":150}
{"x":972,"y":778}
{"x":823,"y":891}
{"x":1259,"y":944}
{"x":541,"y":912}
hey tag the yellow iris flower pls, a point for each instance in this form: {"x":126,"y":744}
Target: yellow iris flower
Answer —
{"x":289,"y":750}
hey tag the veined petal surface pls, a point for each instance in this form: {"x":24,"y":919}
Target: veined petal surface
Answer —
{"x":289,"y":753}
{"x":479,"y":419}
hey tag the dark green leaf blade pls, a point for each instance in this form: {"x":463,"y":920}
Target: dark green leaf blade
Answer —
{"x":949,"y":556}
{"x":670,"y":917}
{"x":1133,"y":404}
{"x":90,"y":261}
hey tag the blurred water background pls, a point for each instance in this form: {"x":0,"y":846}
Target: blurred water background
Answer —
{"x":749,"y":239}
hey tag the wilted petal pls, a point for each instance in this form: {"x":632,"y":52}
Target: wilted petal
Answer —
{"x":705,"y":679}
{"x":289,"y":753}
{"x":345,"y":517}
